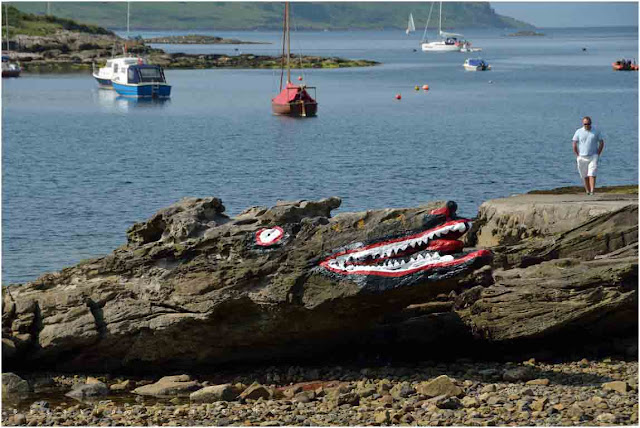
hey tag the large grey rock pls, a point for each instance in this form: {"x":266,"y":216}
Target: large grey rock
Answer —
{"x":510,"y":220}
{"x":440,"y":386}
{"x":180,"y":386}
{"x":210,"y":394}
{"x":195,"y":287}
{"x":14,"y":387}
{"x":88,"y":390}
{"x":574,"y":267}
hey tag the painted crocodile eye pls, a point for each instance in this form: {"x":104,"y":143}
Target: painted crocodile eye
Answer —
{"x":267,"y":237}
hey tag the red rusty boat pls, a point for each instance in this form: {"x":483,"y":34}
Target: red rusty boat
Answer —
{"x":293,"y":100}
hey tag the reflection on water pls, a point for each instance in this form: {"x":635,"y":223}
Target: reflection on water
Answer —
{"x":109,"y":100}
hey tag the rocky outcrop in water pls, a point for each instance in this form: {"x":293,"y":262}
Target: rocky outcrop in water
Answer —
{"x":68,"y":50}
{"x":194,"y":287}
{"x":199,"y":39}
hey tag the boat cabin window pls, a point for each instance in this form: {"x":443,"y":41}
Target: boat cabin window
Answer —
{"x":115,"y":67}
{"x":131,"y":75}
{"x":151,"y":75}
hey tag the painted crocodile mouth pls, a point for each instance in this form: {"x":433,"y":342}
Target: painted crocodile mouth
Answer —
{"x":406,"y":255}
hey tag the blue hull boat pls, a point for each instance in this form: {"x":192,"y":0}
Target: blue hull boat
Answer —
{"x":143,"y":90}
{"x":141,"y":81}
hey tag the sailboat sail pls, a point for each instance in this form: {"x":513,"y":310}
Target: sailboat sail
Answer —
{"x":411,"y":26}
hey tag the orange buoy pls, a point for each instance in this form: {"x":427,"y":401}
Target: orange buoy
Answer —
{"x":425,"y":87}
{"x":299,"y":77}
{"x":398,"y":97}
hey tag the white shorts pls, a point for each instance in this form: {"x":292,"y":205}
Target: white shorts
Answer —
{"x":588,"y":166}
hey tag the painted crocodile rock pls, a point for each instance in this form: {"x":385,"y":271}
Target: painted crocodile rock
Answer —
{"x":195,"y":287}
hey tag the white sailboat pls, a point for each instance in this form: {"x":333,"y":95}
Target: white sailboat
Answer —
{"x":411,"y":26}
{"x":449,"y":42}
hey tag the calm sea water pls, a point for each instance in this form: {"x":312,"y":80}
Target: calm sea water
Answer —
{"x":80,"y":165}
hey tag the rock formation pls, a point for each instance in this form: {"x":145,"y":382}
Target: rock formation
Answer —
{"x":195,"y":287}
{"x":563,"y":265}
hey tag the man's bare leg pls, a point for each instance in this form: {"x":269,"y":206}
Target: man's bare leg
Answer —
{"x":592,"y":183}
{"x":587,"y":184}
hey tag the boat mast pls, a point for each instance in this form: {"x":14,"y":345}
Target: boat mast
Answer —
{"x":128,"y":6}
{"x":286,"y":12}
{"x":424,"y":35}
{"x":6,"y":14}
{"x":284,"y":35}
{"x":440,"y":27}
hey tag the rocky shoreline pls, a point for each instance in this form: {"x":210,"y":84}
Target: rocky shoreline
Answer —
{"x":543,"y":332}
{"x":599,"y":391}
{"x":198,"y":39}
{"x":70,"y":51}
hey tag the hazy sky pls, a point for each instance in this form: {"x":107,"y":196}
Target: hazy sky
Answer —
{"x":571,"y":14}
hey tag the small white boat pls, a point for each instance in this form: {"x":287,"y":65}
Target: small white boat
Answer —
{"x":104,"y":75}
{"x":466,"y":47}
{"x":476,"y":64}
{"x":10,"y":69}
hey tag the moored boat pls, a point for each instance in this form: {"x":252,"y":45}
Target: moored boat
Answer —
{"x":293,"y":100}
{"x":141,"y":81}
{"x":104,"y":75}
{"x":449,"y":42}
{"x":10,"y":69}
{"x":476,"y":64}
{"x":625,"y":65}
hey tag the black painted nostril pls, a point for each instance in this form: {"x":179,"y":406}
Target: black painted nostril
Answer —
{"x":452,"y":206}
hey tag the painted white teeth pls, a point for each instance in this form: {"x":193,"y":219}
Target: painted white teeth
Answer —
{"x":349,"y":262}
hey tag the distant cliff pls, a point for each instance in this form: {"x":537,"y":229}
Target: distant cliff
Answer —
{"x":268,"y":16}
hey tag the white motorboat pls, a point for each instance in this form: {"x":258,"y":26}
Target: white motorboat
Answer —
{"x":466,"y":47}
{"x":449,"y":42}
{"x":476,"y":64}
{"x":104,"y":75}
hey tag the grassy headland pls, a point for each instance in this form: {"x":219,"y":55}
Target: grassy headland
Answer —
{"x":267,"y":15}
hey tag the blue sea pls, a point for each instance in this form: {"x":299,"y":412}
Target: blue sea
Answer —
{"x":81,"y":165}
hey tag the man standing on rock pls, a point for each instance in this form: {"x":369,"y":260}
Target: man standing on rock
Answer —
{"x":587,"y":145}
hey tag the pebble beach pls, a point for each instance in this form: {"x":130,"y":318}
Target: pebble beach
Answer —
{"x":599,"y":392}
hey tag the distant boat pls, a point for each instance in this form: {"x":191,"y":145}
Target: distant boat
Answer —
{"x":625,"y":65}
{"x":9,"y":69}
{"x":411,"y":26}
{"x":141,"y":81}
{"x":293,"y":100}
{"x":449,"y":42}
{"x":476,"y":64}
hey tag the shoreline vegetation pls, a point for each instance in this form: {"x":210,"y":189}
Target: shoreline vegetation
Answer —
{"x":51,"y":44}
{"x":526,"y":33}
